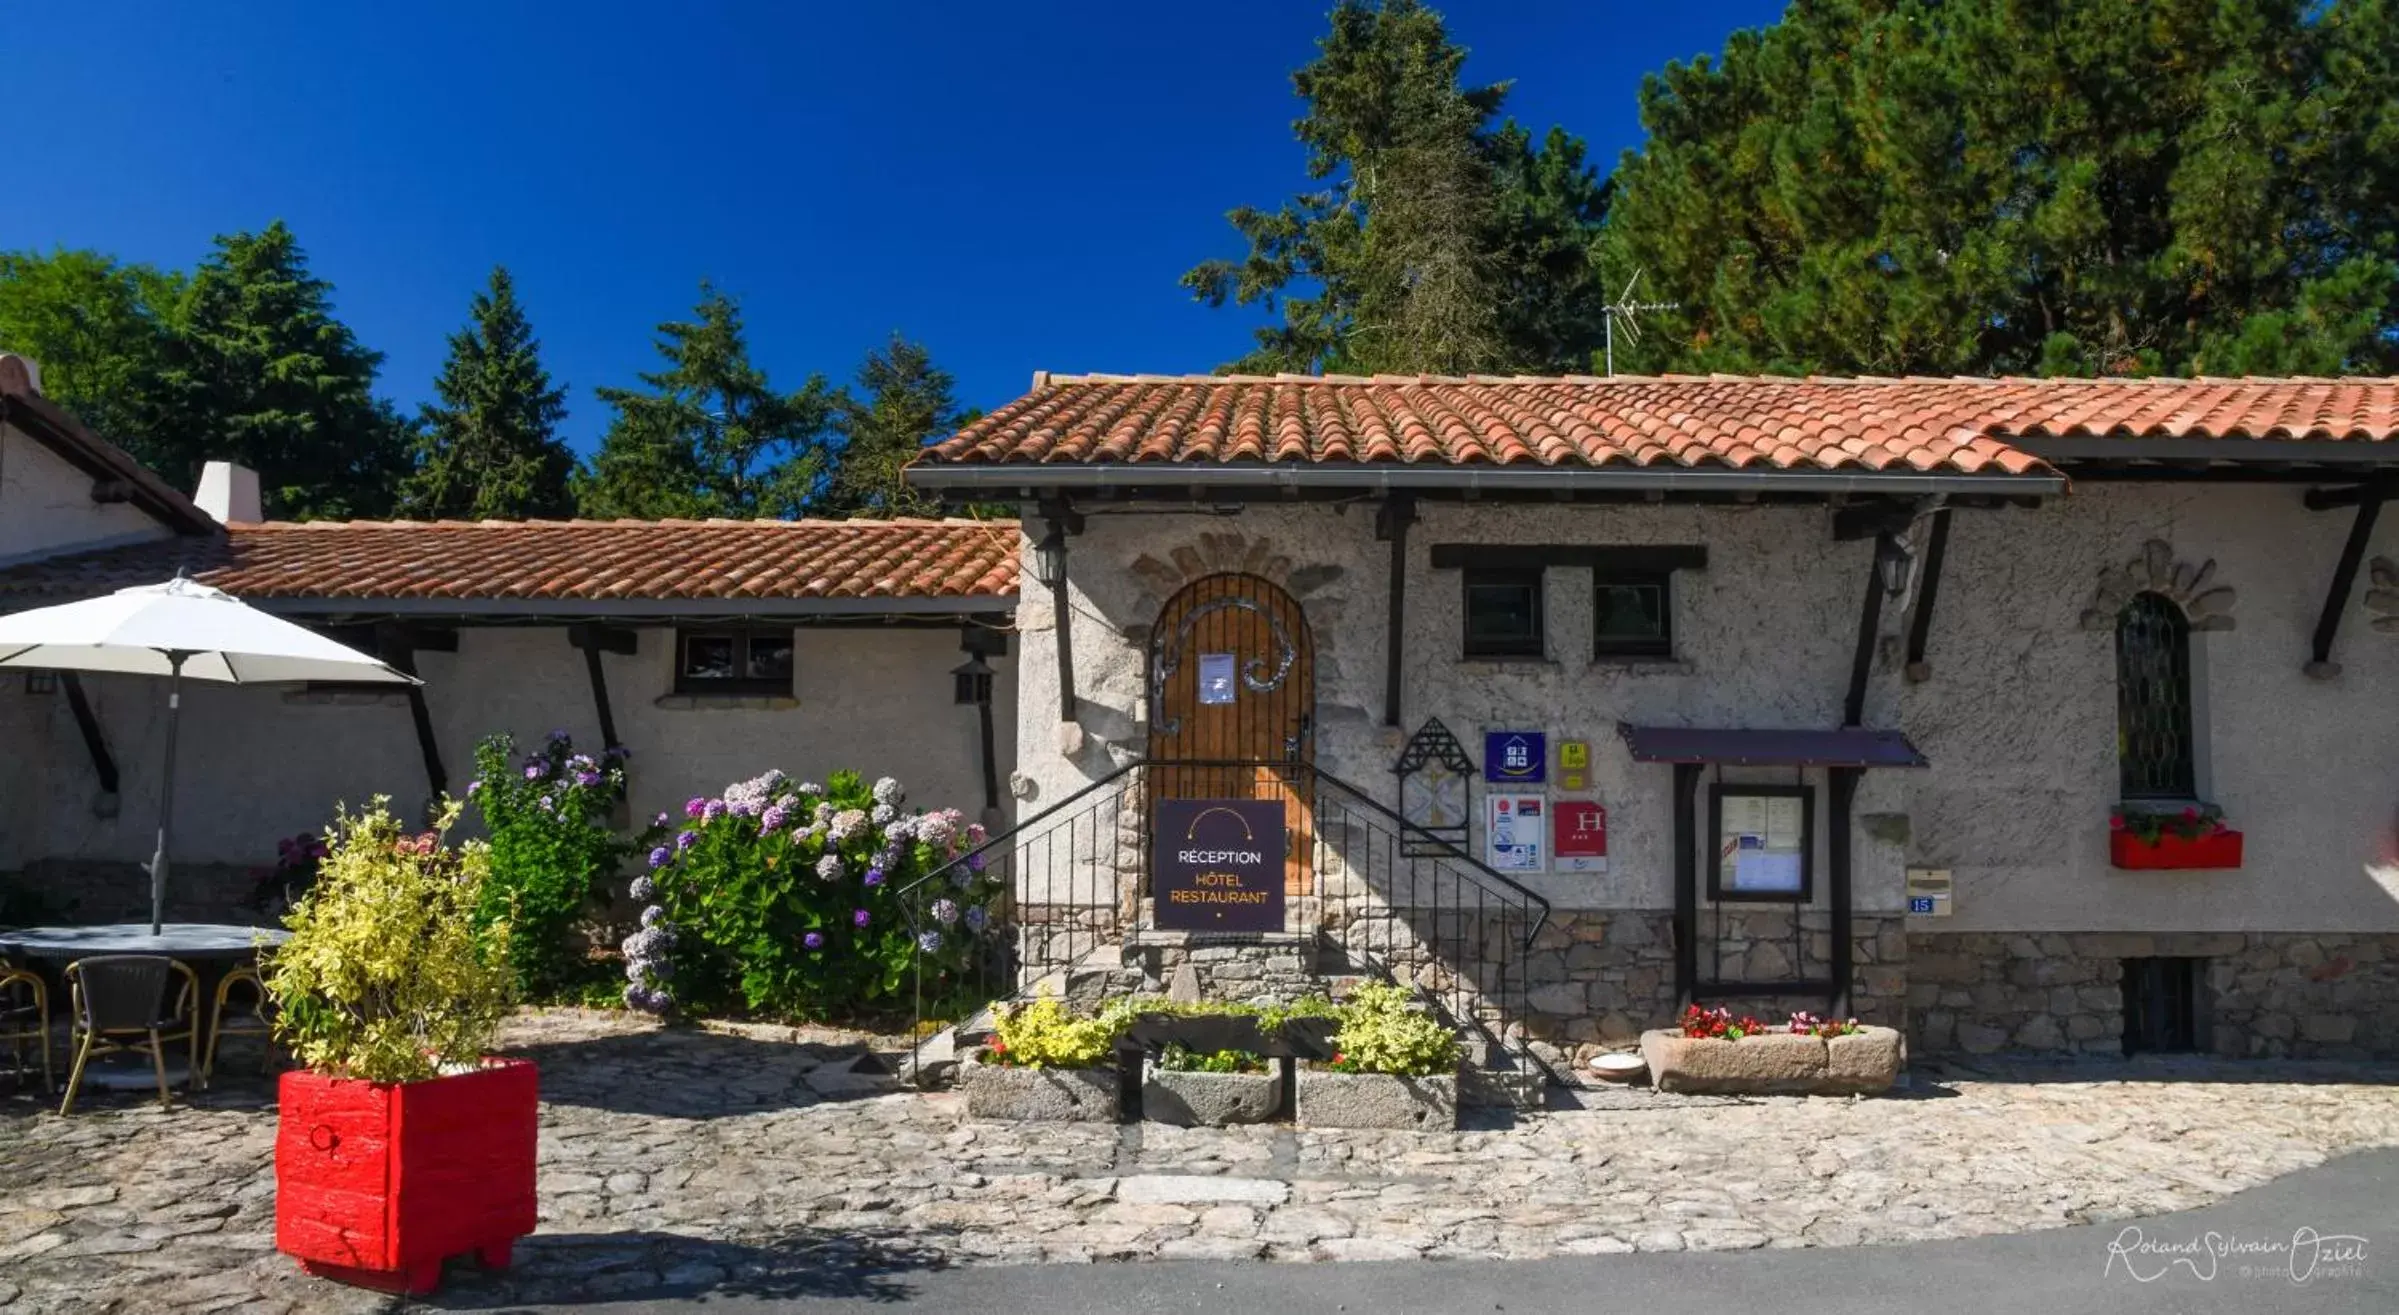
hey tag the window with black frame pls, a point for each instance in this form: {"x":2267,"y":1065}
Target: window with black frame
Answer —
{"x":2154,"y":750}
{"x":1632,"y":614}
{"x":1503,"y":612}
{"x":733,"y":660}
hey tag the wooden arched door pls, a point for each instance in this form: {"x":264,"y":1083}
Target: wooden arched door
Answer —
{"x":1232,"y":704}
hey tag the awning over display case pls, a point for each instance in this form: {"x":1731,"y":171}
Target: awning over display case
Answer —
{"x":1851,"y":747}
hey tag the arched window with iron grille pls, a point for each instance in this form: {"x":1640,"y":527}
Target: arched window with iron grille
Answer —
{"x":2153,"y":700}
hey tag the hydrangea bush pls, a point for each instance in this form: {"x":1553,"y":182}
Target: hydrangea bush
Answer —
{"x":786,"y":898}
{"x":553,"y":850}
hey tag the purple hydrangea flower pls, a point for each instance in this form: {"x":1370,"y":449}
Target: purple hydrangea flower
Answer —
{"x":712,"y":810}
{"x":937,"y":829}
{"x":773,"y":819}
{"x":687,"y":839}
{"x":829,"y":868}
{"x":929,"y":942}
{"x":695,"y":806}
{"x":660,"y":856}
{"x":977,"y":918}
{"x":874,"y":876}
{"x":587,"y":778}
{"x":945,"y":912}
{"x":860,"y":917}
{"x":813,"y":940}
{"x":533,"y":772}
{"x":642,"y":888}
{"x":975,"y":861}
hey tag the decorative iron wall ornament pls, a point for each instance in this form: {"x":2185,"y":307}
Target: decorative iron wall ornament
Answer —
{"x":1261,"y":674}
{"x":1433,"y":770}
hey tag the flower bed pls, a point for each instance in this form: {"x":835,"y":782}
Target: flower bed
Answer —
{"x":1210,"y":1089}
{"x":1328,"y":1098}
{"x":1056,"y":1095}
{"x":2194,"y":839}
{"x":1712,"y":1052}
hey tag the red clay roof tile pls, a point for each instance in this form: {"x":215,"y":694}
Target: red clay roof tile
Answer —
{"x":1946,"y":425}
{"x":579,"y":560}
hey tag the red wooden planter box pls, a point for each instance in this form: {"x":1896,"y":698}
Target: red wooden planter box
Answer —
{"x":2221,"y":850}
{"x":377,"y":1183}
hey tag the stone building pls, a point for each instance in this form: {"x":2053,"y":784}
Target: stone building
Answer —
{"x":1878,"y":691}
{"x":710,"y":651}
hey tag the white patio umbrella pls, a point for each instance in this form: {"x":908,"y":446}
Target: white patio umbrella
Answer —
{"x":178,"y":629}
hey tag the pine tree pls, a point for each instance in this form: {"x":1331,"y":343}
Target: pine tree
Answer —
{"x":2018,"y":186}
{"x":99,"y":330}
{"x":258,"y":370}
{"x":711,"y":437}
{"x":489,"y":449}
{"x":1437,"y":241}
{"x":903,"y":401}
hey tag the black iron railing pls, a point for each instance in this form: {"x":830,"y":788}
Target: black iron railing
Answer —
{"x":1393,"y":899}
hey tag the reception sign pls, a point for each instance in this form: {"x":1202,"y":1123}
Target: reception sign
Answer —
{"x":1217,"y":865}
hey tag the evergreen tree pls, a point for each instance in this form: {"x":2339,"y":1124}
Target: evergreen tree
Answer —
{"x":710,"y":437}
{"x":903,"y":402}
{"x":99,"y":330}
{"x":257,"y":369}
{"x":489,"y":449}
{"x":1437,"y":241}
{"x":2018,"y":186}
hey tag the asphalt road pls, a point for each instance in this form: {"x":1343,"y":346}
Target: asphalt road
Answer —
{"x":2110,"y":1268}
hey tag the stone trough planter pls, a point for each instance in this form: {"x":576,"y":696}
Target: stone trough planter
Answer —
{"x":1775,"y":1063}
{"x":1376,"y":1100}
{"x":1209,"y":1100}
{"x":1050,"y":1095}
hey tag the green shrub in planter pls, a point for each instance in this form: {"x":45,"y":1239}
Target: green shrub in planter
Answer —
{"x":1383,"y":1030}
{"x":1042,"y":1034}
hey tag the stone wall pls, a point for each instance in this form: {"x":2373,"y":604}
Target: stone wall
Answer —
{"x":2333,"y":995}
{"x":1264,"y":969}
{"x":1601,"y":979}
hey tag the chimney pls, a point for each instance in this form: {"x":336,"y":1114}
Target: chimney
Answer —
{"x":229,"y":492}
{"x":20,"y":374}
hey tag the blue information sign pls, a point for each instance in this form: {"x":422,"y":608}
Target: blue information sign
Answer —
{"x":1515,"y":757}
{"x":1920,"y":903}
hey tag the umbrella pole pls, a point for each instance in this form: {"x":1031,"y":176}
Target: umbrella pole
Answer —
{"x":166,"y":796}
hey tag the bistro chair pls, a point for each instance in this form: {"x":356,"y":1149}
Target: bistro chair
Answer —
{"x":252,"y":1018}
{"x":24,"y":1016}
{"x":115,"y":1009}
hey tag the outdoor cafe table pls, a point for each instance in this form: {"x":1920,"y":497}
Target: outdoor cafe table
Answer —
{"x":211,"y":949}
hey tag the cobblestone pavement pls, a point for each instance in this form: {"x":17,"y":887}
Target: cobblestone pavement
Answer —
{"x":760,"y":1161}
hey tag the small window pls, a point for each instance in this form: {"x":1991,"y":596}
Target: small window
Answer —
{"x":733,"y":662}
{"x":1503,"y":613}
{"x":2162,"y":1002}
{"x":1632,"y":614}
{"x":2153,"y":700}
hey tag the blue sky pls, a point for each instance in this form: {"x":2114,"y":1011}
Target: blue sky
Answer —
{"x":1017,"y":186}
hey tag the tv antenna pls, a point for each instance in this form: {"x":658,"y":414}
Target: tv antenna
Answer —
{"x":1628,"y":310}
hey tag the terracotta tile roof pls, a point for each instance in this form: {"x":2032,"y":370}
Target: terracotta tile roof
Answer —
{"x":558,"y":560}
{"x":1960,"y":426}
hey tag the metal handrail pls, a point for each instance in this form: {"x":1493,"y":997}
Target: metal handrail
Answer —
{"x":1444,"y":849}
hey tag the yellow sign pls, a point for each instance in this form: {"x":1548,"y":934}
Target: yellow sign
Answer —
{"x":1574,"y":764}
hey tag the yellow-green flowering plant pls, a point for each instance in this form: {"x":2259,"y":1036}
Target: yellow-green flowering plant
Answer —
{"x":1384,"y":1031}
{"x":386,"y":976}
{"x":1042,"y":1034}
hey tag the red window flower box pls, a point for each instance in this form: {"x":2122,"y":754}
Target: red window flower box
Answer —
{"x":376,"y":1183}
{"x":2218,"y":849}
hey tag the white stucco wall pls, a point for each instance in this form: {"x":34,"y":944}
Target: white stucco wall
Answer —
{"x":2018,"y":717}
{"x":46,"y":505}
{"x":258,"y":764}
